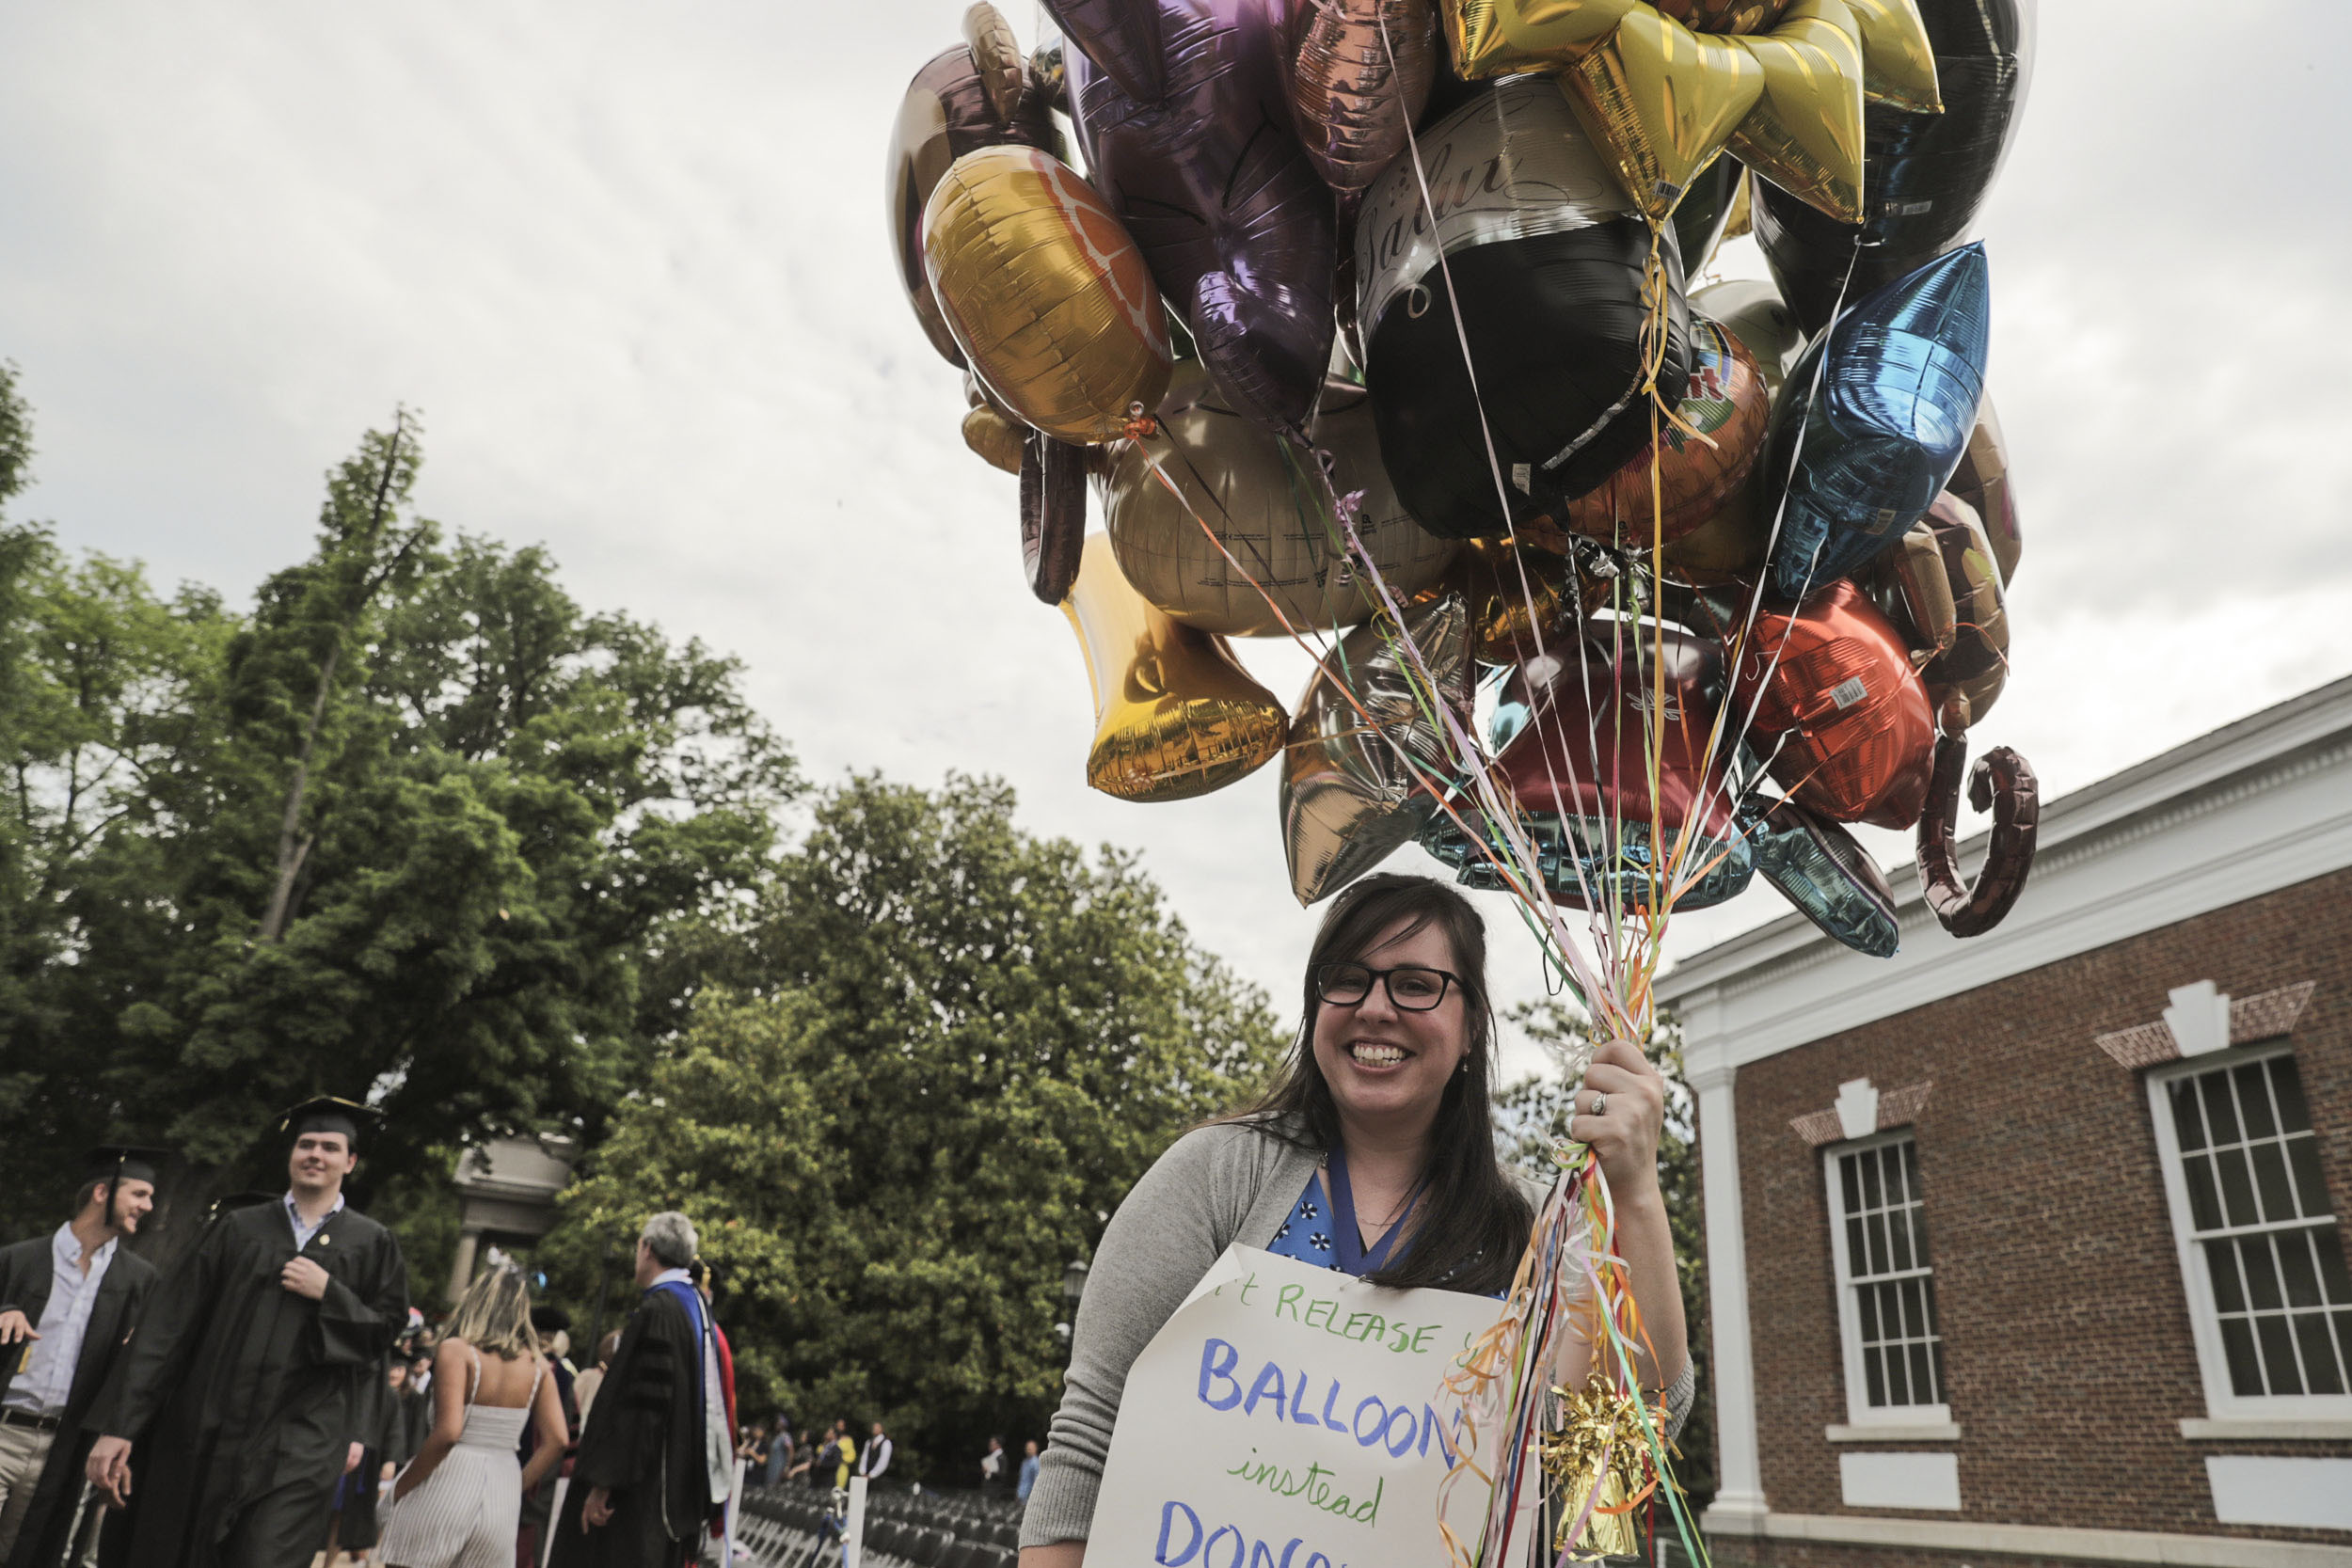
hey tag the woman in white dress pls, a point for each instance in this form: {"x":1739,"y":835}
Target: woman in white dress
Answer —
{"x":458,"y":1503}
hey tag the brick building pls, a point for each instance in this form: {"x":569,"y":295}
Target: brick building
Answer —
{"x":2022,"y":1249}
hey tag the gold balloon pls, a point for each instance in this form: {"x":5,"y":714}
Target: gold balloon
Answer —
{"x":1660,"y":100}
{"x":1497,"y":38}
{"x":1512,"y":587}
{"x":1741,"y":222}
{"x":996,"y":438}
{"x":1665,"y":100}
{"x":1364,"y":749}
{"x":1897,"y":61}
{"x":1805,"y":136}
{"x":1261,"y":498}
{"x":1047,"y":297}
{"x":1750,"y":310}
{"x":1175,"y":715}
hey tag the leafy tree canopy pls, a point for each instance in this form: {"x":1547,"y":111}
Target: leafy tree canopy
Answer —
{"x":938,"y":1057}
{"x":418,"y":829}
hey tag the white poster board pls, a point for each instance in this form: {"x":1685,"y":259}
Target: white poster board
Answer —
{"x":1290,"y":1416}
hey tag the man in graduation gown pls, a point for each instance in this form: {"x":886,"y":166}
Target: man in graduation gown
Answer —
{"x":67,"y":1301}
{"x":657,"y":1461}
{"x":262,"y":1356}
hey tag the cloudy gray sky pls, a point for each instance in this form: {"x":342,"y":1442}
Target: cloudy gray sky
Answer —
{"x":631,"y":263}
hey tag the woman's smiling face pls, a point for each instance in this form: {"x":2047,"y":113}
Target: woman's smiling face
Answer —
{"x":1386,"y":1065}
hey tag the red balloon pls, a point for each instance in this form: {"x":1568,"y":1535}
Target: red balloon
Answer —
{"x":1587,"y":709}
{"x":1838,"y":708}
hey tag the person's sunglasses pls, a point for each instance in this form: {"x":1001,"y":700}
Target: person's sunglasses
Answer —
{"x":1411,"y":988}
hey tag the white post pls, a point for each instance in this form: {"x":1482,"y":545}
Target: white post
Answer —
{"x":735,"y":1511}
{"x":1738,"y":1507}
{"x":854,"y":1534}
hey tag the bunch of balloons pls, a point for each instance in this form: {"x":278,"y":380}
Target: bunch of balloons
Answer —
{"x":1371,"y":324}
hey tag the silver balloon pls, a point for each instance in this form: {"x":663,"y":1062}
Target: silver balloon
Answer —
{"x":1348,"y":798}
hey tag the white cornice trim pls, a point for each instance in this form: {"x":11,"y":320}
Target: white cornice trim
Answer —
{"x":2213,"y":838}
{"x":2103,"y":1545}
{"x":2266,"y":1428}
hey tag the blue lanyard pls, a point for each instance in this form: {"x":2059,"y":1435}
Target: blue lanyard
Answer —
{"x":1354,"y":1258}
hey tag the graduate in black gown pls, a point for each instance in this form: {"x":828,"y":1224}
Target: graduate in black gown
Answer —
{"x":260,"y":1356}
{"x":652,"y":1469}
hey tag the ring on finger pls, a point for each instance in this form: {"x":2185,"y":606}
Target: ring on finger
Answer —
{"x":1601,"y":1102}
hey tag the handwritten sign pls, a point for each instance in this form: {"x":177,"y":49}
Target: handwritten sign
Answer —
{"x":1288,"y":1417}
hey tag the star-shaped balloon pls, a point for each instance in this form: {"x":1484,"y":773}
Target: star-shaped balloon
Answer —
{"x":1666,"y":100}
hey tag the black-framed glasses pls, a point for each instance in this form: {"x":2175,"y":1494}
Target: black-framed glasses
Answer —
{"x":1412,"y":988}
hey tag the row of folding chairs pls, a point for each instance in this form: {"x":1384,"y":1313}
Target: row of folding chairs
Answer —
{"x":785,"y":1528}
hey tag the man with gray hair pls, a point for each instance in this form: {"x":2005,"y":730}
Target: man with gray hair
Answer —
{"x":657,"y":1460}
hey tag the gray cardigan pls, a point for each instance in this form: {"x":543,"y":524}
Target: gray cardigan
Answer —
{"x":1216,"y":1186}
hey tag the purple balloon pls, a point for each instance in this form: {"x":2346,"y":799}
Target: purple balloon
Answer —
{"x":1181,"y":107}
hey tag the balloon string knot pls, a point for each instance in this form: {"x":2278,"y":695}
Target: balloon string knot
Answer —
{"x":1139,"y":426}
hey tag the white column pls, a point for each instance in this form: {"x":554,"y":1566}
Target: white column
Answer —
{"x":1738,"y":1507}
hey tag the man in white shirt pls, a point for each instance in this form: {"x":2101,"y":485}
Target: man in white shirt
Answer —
{"x":67,"y":1303}
{"x":876,"y":1459}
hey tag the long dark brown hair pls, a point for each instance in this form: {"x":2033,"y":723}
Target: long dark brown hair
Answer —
{"x":1473,"y":1221}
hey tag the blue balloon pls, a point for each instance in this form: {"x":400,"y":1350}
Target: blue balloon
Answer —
{"x":1584,"y":862}
{"x":1817,"y":867}
{"x":1883,"y":402}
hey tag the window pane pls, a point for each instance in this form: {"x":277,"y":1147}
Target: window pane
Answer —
{"x":1898,"y":1377}
{"x":2220,"y":1116}
{"x":2270,"y":1182}
{"x":2286,"y":1082}
{"x":2237,"y":1187}
{"x":2237,"y":1344}
{"x":2205,"y":1204}
{"x":2186,"y":1121}
{"x":1857,"y":1260}
{"x":1874,"y":1380}
{"x":1851,"y":1182}
{"x":1933,"y":1329}
{"x":2253,"y":1100}
{"x":1914,"y":1320}
{"x":2222,"y":1262}
{"x":1900,"y":1224}
{"x":2330,"y":1244}
{"x":2300,"y":1268}
{"x":2320,"y":1361}
{"x":2262,"y":1274}
{"x":2279,"y":1366}
{"x":1937,"y":1349}
{"x":1871,"y":1198}
{"x":1878,"y":1243}
{"x":1866,"y":1308}
{"x":1922,"y":1391}
{"x":2311,"y":1188}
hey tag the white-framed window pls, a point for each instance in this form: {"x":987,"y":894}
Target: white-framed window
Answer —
{"x":1885,"y":1283}
{"x":2262,"y":1260}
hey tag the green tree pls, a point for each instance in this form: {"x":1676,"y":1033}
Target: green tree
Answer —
{"x":943,"y":1052}
{"x":417,"y":829}
{"x":1534,"y":1113}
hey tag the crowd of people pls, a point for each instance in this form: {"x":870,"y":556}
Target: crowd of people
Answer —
{"x":273,"y":1398}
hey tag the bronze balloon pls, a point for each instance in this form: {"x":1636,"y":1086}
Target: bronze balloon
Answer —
{"x":1982,"y":480}
{"x":1353,"y":111}
{"x":1728,"y":547}
{"x":1750,"y":310}
{"x":1942,"y":581}
{"x":1045,"y":293}
{"x":1364,"y":754}
{"x":1512,"y":589}
{"x":996,"y":438}
{"x":1699,"y":460}
{"x":1261,"y":497}
{"x":2003,"y":783}
{"x":1175,"y":715}
{"x":1053,"y":513}
{"x":974,"y":95}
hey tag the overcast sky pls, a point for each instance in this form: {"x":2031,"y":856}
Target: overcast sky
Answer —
{"x":631,"y":263}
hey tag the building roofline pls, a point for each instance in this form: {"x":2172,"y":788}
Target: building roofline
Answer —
{"x":2098,"y":809}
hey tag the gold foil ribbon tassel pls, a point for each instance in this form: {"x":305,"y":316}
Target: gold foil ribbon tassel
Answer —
{"x":1597,"y":1466}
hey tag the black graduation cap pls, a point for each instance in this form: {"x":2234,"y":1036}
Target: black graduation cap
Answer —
{"x":328,"y":1113}
{"x":116,"y":1163}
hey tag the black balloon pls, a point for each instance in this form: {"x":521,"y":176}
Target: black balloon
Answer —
{"x":1924,"y":177}
{"x":1548,"y":260}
